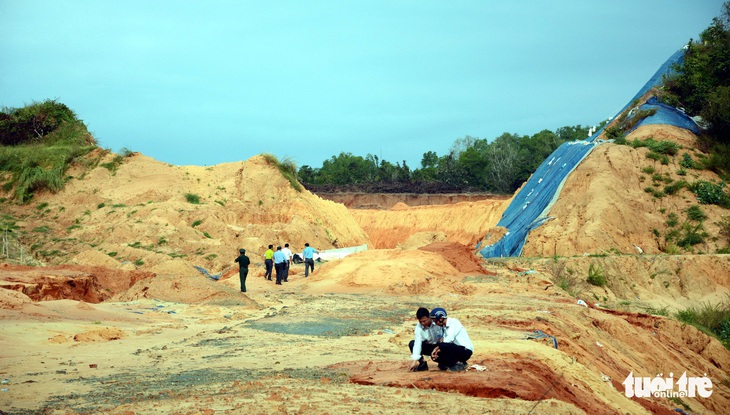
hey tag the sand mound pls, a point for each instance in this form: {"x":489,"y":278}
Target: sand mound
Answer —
{"x":186,"y":289}
{"x":13,"y":300}
{"x":147,"y":213}
{"x":459,"y":256}
{"x":99,"y":335}
{"x":604,"y":206}
{"x":391,"y":270}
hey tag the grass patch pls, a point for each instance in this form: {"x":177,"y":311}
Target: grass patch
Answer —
{"x":709,"y":318}
{"x":287,"y":168}
{"x":695,"y":213}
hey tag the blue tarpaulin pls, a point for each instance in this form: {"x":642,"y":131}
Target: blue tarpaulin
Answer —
{"x":666,"y":115}
{"x":531,"y":205}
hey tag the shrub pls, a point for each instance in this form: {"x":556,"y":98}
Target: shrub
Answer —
{"x":648,"y":170}
{"x":595,"y":276}
{"x":691,"y":235}
{"x":197,"y":222}
{"x":673,"y":188}
{"x":672,"y":220}
{"x":113,"y":165}
{"x":616,"y":133}
{"x":33,"y":123}
{"x":687,"y":161}
{"x":709,"y":193}
{"x":695,"y":213}
{"x":192,"y":198}
{"x":37,"y":144}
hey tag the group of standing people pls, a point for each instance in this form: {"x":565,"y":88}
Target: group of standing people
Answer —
{"x":281,"y":259}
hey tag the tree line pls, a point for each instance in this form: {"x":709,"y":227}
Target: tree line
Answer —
{"x":472,"y":164}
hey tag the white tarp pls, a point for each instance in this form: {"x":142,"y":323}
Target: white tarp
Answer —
{"x":338,"y":253}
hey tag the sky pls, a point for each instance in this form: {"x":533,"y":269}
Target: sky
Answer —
{"x":208,"y":82}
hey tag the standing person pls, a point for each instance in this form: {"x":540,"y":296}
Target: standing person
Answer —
{"x":455,"y":347}
{"x":243,"y":263}
{"x":279,"y":264}
{"x":288,"y":255}
{"x":269,"y":261}
{"x":308,"y":255}
{"x":425,"y":339}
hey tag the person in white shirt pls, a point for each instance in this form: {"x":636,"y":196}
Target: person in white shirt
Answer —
{"x":288,"y":254}
{"x":426,"y":335}
{"x":455,"y":347}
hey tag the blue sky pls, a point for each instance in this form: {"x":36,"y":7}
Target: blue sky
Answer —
{"x":206,"y":82}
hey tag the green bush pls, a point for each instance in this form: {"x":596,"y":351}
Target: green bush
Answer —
{"x":709,"y":193}
{"x":672,"y":220}
{"x":691,"y":235}
{"x":615,"y":132}
{"x":37,"y":144}
{"x":595,"y":276}
{"x":695,"y":213}
{"x":673,"y":188}
{"x":687,"y":161}
{"x":33,"y":123}
{"x":192,"y":198}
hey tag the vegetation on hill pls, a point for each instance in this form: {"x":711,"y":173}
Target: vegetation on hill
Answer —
{"x":702,"y":88}
{"x":472,"y":164}
{"x":38,"y":142}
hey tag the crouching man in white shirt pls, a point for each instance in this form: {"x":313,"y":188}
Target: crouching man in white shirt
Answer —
{"x":455,"y":347}
{"x":426,"y":336}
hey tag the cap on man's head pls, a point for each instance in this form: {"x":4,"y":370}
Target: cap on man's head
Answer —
{"x":243,"y":251}
{"x":438,"y":313}
{"x":278,"y":248}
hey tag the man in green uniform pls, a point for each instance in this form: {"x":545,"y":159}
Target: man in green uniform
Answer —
{"x":243,"y":263}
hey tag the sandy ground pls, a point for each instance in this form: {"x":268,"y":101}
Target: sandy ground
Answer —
{"x":115,"y":318}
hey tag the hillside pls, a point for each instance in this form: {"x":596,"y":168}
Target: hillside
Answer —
{"x":137,"y":216}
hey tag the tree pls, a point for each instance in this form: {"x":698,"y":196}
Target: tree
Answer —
{"x":461,"y":144}
{"x":503,"y":155}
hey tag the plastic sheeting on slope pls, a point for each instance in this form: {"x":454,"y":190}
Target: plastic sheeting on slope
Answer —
{"x":667,"y":115}
{"x":530,"y":206}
